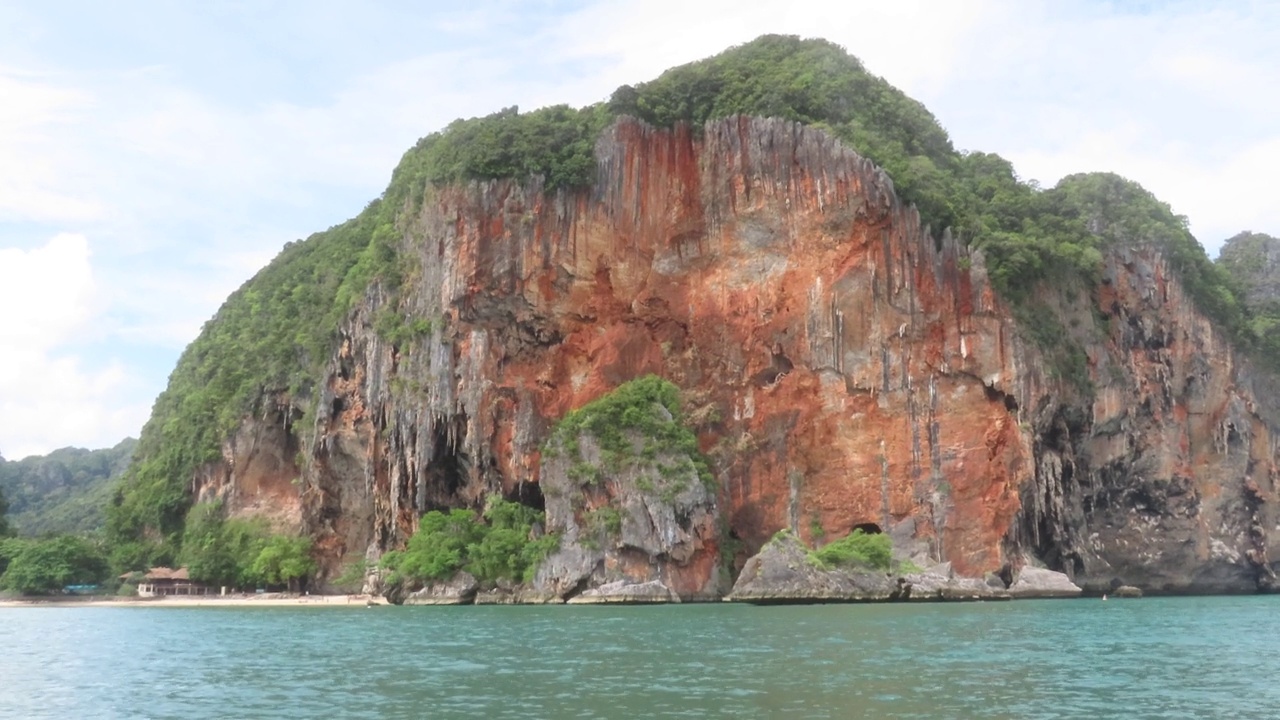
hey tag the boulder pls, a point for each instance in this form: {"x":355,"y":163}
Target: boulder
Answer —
{"x":457,"y":590}
{"x":662,"y":525}
{"x":625,"y":592}
{"x":518,"y":595}
{"x":570,"y":567}
{"x":933,"y":585}
{"x":1127,"y":591}
{"x":782,"y":572}
{"x":1034,"y":582}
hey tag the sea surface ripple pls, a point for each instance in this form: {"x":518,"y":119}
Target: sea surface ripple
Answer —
{"x":1151,"y":658}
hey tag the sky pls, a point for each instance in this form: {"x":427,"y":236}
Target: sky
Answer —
{"x":154,"y":155}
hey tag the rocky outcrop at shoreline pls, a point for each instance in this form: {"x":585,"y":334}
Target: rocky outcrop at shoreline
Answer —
{"x":1033,"y":582}
{"x":940,"y":583}
{"x":461,"y":589}
{"x":785,"y":572}
{"x":626,"y":593}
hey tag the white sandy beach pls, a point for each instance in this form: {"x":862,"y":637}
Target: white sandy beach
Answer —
{"x":189,"y":601}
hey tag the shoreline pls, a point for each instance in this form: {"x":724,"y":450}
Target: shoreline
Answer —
{"x":359,"y":600}
{"x":190,"y":601}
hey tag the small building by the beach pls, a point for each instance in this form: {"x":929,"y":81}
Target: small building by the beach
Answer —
{"x":167,"y":581}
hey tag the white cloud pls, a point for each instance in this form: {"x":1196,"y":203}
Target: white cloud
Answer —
{"x":910,"y":41}
{"x":35,"y":166}
{"x":47,"y":395}
{"x":50,"y":290}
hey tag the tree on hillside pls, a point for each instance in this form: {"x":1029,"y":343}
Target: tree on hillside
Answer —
{"x":284,"y":560}
{"x":221,"y":551}
{"x":9,"y":549}
{"x":4,"y":507}
{"x":241,"y":552}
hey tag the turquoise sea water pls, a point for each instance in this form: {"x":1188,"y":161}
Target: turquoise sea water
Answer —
{"x":1152,"y":658}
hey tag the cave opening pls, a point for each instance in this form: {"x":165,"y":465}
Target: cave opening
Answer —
{"x":868,"y":528}
{"x":994,"y":395}
{"x":528,"y":494}
{"x":446,"y":473}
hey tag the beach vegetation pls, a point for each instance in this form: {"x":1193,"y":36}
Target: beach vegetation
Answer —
{"x":47,"y":565}
{"x":284,"y":560}
{"x":5,"y":531}
{"x":353,"y":575}
{"x":505,"y":542}
{"x":242,"y":553}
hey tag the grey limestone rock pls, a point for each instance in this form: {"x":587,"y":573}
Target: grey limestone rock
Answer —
{"x":1127,"y":591}
{"x":934,"y":585}
{"x":1034,"y":582}
{"x":782,"y":572}
{"x":568,"y":569}
{"x":457,"y":590}
{"x":623,"y":592}
{"x":662,"y":518}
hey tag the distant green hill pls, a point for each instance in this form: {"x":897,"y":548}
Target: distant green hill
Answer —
{"x":65,"y":491}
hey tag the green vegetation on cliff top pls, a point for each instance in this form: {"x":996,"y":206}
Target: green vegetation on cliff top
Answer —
{"x":273,"y":335}
{"x":1253,"y":262}
{"x":857,"y":549}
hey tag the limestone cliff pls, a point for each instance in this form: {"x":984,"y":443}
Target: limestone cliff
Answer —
{"x":1167,"y":479}
{"x":841,"y":367}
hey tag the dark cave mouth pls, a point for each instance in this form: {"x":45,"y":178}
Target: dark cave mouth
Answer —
{"x":445,"y":475}
{"x":528,"y":494}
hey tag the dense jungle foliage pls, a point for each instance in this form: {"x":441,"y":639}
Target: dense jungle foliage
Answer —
{"x":502,"y":544}
{"x":272,"y":336}
{"x":47,"y":565}
{"x":241,"y":553}
{"x":56,"y":511}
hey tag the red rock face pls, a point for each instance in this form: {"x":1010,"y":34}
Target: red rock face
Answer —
{"x":840,"y":367}
{"x":843,"y":370}
{"x":258,"y":476}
